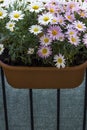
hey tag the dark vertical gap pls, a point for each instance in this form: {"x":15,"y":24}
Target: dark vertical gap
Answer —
{"x":4,"y":99}
{"x":85,"y":104}
{"x":31,"y":109}
{"x":58,"y":109}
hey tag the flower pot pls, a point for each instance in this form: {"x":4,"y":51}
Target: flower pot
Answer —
{"x":44,"y":77}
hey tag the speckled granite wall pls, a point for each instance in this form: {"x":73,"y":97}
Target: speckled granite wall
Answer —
{"x":71,"y":108}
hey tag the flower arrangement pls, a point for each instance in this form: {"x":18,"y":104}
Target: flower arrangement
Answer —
{"x":43,"y":33}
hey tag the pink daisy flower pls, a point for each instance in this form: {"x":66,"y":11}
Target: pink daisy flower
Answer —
{"x":71,"y":32}
{"x":52,"y":9}
{"x":54,"y":32}
{"x":60,"y":9}
{"x":70,"y":17}
{"x":72,"y":6}
{"x":44,"y":51}
{"x":52,"y":2}
{"x":82,"y":13}
{"x":61,"y":19}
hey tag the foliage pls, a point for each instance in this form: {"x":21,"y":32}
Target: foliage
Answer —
{"x":43,"y":33}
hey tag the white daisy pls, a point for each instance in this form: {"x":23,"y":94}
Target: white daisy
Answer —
{"x":16,"y":15}
{"x":44,"y":19}
{"x":21,"y":3}
{"x":6,"y":3}
{"x":3,"y":13}
{"x":45,"y":40}
{"x":60,"y":61}
{"x":36,"y":6}
{"x":36,"y":29}
{"x":1,"y":48}
{"x":83,"y":5}
{"x":74,"y":40}
{"x":54,"y":20}
{"x":10,"y":25}
{"x":30,"y":51}
{"x":80,"y":26}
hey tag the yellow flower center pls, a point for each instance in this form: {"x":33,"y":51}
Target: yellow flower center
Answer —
{"x":35,"y":7}
{"x":71,"y":33}
{"x":46,"y":18}
{"x":1,"y":13}
{"x":60,"y":21}
{"x":79,"y":26}
{"x":60,"y":60}
{"x":69,"y":17}
{"x":36,"y":29}
{"x":72,"y":6}
{"x":10,"y":25}
{"x":54,"y":32}
{"x":46,"y":40}
{"x":54,"y":20}
{"x":16,"y":15}
{"x":82,"y":14}
{"x":44,"y":51}
{"x":73,"y":39}
{"x":51,"y":10}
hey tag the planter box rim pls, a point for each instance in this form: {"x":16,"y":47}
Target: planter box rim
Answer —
{"x":10,"y":67}
{"x":44,"y":77}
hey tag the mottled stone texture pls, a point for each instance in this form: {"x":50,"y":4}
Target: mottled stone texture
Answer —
{"x":71,"y":108}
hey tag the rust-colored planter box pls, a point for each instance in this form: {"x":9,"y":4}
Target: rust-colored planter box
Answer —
{"x":44,"y":77}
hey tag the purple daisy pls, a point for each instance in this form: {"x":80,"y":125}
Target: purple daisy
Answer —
{"x":44,"y":51}
{"x":72,"y":6}
{"x":54,"y":32}
{"x":61,"y":19}
{"x":69,"y":16}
